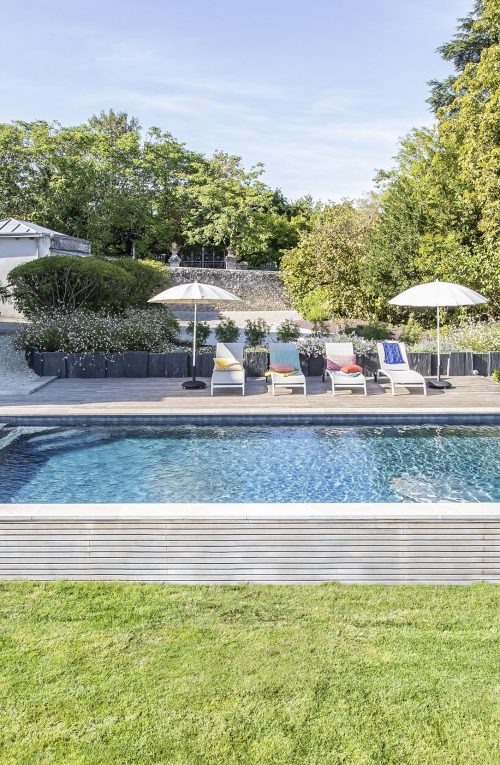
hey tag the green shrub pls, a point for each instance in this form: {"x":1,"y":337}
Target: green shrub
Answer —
{"x":476,"y":336}
{"x":495,"y":375}
{"x":66,"y":283}
{"x":288,"y":331}
{"x":256,"y":332}
{"x":227,"y":331}
{"x":412,"y":330}
{"x":150,"y":329}
{"x":149,"y":277}
{"x":202,"y":331}
{"x":375,"y":330}
{"x":315,"y":306}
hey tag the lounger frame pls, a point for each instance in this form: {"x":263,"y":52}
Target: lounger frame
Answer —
{"x":226,"y":378}
{"x":400,"y":374}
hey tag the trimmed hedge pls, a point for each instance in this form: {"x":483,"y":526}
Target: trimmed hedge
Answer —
{"x":67,"y":283}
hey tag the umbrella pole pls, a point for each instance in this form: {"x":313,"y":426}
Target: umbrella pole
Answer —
{"x":438,"y":346}
{"x":194,"y":383}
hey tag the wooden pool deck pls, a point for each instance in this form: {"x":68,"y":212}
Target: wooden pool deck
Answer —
{"x":164,"y":396}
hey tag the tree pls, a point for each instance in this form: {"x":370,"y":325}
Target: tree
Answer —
{"x":326,"y":266}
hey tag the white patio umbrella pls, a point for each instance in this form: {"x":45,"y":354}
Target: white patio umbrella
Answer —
{"x":439,"y":295}
{"x":194,"y":293}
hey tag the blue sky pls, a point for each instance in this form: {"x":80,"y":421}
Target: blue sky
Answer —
{"x":320,"y":91}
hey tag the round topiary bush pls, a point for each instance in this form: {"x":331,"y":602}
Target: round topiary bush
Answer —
{"x":149,"y":277}
{"x":227,"y":331}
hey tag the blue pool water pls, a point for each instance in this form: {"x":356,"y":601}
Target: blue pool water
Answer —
{"x":250,"y":464}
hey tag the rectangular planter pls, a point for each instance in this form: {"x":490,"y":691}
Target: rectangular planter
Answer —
{"x":481,"y":363}
{"x":136,"y":363}
{"x":86,"y":365}
{"x":36,"y":359}
{"x":204,"y":364}
{"x":256,"y":363}
{"x":156,"y":365}
{"x":494,"y":361}
{"x":312,"y":366}
{"x":176,"y":364}
{"x":445,"y":361}
{"x":115,"y":365}
{"x":421,"y":362}
{"x":369,"y":362}
{"x":54,"y":364}
{"x":460,"y":363}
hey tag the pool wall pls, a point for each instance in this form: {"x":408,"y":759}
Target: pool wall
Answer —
{"x":268,"y":543}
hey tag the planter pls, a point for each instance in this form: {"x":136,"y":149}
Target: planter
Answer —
{"x":481,"y":363}
{"x":312,"y":366}
{"x":54,"y":364}
{"x":115,"y":365}
{"x":86,"y":364}
{"x":136,"y":363}
{"x":176,"y":364}
{"x":494,"y":361}
{"x":156,"y":365}
{"x":369,"y":363}
{"x":460,"y":363}
{"x":421,"y":362}
{"x":35,"y":362}
{"x":256,"y":363}
{"x":204,"y":364}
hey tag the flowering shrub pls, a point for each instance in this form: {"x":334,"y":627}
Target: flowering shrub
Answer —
{"x":479,"y":337}
{"x":150,"y":329}
{"x":313,"y":345}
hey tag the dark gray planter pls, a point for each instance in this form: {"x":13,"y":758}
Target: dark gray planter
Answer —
{"x":481,"y":363}
{"x":156,"y":365}
{"x":445,"y":360}
{"x":115,"y":365}
{"x":36,"y":359}
{"x":54,"y":364}
{"x":136,"y":363}
{"x":312,"y":366}
{"x":176,"y":364}
{"x":494,"y":362}
{"x":204,"y":364}
{"x":421,"y":362}
{"x":460,"y":363}
{"x":256,"y":363}
{"x":368,"y":362}
{"x":86,"y":365}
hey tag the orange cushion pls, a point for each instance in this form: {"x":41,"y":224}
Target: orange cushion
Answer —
{"x":349,"y":369}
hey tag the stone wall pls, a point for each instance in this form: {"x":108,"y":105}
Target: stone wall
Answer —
{"x":258,"y":290}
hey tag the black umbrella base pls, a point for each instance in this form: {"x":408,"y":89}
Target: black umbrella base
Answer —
{"x":194,"y":384}
{"x":439,"y":384}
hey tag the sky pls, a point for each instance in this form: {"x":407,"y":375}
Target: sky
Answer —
{"x":320,"y":91}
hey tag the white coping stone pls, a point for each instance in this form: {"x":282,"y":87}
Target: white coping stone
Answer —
{"x":402,"y":511}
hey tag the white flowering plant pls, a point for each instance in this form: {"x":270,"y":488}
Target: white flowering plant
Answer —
{"x":150,"y":329}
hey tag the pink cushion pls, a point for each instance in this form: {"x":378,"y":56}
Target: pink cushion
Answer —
{"x":335,"y":363}
{"x":282,"y":368}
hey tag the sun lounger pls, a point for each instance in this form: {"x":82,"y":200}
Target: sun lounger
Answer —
{"x":397,"y":368}
{"x":342,"y":353}
{"x":231,"y":354}
{"x":286,"y":354}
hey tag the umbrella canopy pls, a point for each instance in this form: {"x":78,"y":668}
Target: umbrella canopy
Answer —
{"x":438,"y":295}
{"x":196,"y":294}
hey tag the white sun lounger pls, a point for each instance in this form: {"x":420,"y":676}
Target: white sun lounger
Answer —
{"x":228,"y":378}
{"x":286,"y":353}
{"x":400,"y":374}
{"x":340,"y":379}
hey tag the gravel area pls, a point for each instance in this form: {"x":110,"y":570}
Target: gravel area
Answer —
{"x":15,"y":375}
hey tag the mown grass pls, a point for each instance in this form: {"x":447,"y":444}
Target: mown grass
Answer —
{"x":121,"y":674}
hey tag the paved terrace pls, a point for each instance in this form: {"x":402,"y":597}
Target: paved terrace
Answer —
{"x":154,"y":396}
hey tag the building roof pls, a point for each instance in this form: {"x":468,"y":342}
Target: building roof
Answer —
{"x":21,"y":228}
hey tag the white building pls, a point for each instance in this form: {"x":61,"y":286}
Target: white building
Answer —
{"x":21,"y":241}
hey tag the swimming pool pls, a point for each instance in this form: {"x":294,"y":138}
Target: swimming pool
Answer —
{"x":289,"y":463}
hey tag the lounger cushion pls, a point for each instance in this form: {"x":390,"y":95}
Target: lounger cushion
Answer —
{"x":227,"y":365}
{"x":352,"y":369}
{"x":283,"y":368}
{"x":392,"y":353}
{"x":335,"y":363}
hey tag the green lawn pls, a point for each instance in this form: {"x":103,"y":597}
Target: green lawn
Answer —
{"x":119,"y":674}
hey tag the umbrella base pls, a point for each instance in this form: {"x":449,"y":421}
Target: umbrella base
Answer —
{"x":439,"y":384}
{"x":194,"y":384}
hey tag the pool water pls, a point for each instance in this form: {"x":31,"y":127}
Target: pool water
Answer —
{"x":250,"y":464}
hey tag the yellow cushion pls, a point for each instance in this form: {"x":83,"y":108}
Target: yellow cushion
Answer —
{"x":227,"y":365}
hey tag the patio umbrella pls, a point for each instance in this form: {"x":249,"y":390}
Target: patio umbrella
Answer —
{"x":196,"y":294}
{"x":439,"y":295}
